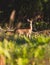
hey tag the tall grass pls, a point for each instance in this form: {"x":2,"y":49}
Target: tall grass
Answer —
{"x":25,"y":51}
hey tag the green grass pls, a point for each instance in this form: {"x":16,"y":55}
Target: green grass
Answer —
{"x":25,"y":51}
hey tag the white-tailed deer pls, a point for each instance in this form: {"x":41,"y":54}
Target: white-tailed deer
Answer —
{"x":12,"y":18}
{"x":26,"y":32}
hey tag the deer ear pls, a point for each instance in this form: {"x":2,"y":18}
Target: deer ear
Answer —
{"x":28,"y":20}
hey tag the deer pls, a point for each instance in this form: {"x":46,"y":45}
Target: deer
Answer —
{"x":26,"y":31}
{"x":12,"y":18}
{"x":10,"y":29}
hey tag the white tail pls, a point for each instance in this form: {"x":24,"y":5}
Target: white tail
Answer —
{"x":26,"y":32}
{"x":12,"y":18}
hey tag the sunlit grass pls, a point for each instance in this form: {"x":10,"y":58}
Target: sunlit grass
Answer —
{"x":25,"y":51}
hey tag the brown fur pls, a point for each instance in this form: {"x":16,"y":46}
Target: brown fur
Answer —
{"x":26,"y":32}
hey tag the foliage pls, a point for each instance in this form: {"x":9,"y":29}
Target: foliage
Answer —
{"x":41,"y":25}
{"x":24,"y":9}
{"x":22,"y":50}
{"x":24,"y":53}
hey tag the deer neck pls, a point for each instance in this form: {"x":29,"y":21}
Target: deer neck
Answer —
{"x":31,"y":25}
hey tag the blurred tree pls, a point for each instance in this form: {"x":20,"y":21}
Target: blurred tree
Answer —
{"x":25,"y":9}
